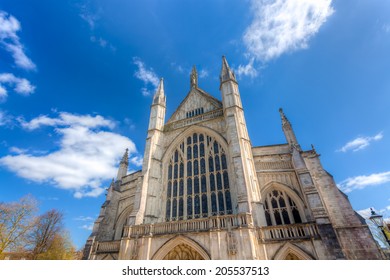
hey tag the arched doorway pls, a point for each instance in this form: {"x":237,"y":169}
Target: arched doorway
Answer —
{"x":181,"y":248}
{"x":183,"y":252}
{"x":291,"y":252}
{"x":291,"y":257}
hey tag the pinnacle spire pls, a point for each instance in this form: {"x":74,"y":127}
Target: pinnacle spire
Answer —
{"x":194,"y":78}
{"x":125,"y":158}
{"x":288,"y":130}
{"x":226,"y":72}
{"x":122,"y":171}
{"x":159,"y":96}
{"x":285,"y":121}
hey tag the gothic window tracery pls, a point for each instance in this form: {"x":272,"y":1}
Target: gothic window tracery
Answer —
{"x":280,"y":209}
{"x":183,"y":252}
{"x":197,"y":180}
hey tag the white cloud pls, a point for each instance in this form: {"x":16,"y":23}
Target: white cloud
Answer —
{"x":247,"y":70}
{"x":386,"y":28}
{"x":89,"y":18}
{"x":84,"y":218}
{"x":10,"y":41}
{"x":364,"y":181}
{"x":137,"y":160}
{"x":3,"y":93}
{"x":281,"y":26}
{"x":20,"y":85}
{"x":67,"y":119}
{"x":148,"y":76}
{"x":360,"y":143}
{"x":102,"y":43}
{"x":4,"y":118}
{"x":178,"y":67}
{"x":87,"y":226}
{"x":92,"y":18}
{"x":16,"y":150}
{"x":203,"y":73}
{"x":88,"y":154}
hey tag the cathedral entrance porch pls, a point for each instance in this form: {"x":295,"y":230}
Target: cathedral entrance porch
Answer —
{"x":183,"y":252}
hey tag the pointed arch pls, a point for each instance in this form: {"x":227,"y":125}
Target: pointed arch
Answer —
{"x":178,"y":241}
{"x":188,"y":132}
{"x":282,"y":204}
{"x":121,"y":222}
{"x":109,"y":257}
{"x":290,"y":251}
{"x":204,"y":172}
{"x":284,"y":187}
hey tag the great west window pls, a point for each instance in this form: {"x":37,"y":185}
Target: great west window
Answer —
{"x":197,"y":180}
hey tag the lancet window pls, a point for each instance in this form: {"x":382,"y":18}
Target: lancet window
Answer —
{"x":195,"y":112}
{"x":280,"y":209}
{"x":197,"y":180}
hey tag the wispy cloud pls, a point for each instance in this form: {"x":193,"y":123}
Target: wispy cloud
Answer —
{"x":364,"y":181}
{"x":67,"y":119}
{"x":88,"y":227}
{"x":247,"y":70}
{"x":16,"y":150}
{"x":360,"y":143}
{"x":20,"y":85}
{"x":147,"y":75}
{"x":88,"y":154}
{"x":102,"y":43}
{"x":91,"y":17}
{"x":137,"y":160}
{"x":178,"y":67}
{"x":10,"y":41}
{"x":386,"y":27}
{"x":203,"y":73}
{"x":84,"y":218}
{"x":5,"y":119}
{"x":281,"y":26}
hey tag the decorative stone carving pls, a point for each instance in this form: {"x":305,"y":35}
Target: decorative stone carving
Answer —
{"x":183,"y":252}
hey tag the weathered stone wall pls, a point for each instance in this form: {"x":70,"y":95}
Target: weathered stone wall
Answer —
{"x":354,"y":238}
{"x":214,"y":243}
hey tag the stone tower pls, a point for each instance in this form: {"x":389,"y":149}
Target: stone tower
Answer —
{"x":204,"y":192}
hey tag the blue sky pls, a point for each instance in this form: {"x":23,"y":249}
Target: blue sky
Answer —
{"x":76,"y":79}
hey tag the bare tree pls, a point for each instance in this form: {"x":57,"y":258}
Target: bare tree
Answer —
{"x":36,"y":237}
{"x":48,"y":227}
{"x":16,"y":220}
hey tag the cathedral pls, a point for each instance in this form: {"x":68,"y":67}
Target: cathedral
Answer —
{"x":205,"y":193}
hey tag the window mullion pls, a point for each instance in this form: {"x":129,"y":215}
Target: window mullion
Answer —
{"x":288,"y":206}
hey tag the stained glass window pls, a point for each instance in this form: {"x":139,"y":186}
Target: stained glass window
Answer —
{"x":205,"y":181}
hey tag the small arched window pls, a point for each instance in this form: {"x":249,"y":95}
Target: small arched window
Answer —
{"x":280,"y":209}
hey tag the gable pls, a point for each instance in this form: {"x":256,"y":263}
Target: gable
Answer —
{"x":196,"y":102}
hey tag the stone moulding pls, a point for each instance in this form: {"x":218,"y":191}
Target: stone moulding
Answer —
{"x":196,"y":225}
{"x":196,"y":119}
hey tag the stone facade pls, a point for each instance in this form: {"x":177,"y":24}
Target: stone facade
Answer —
{"x":205,"y":193}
